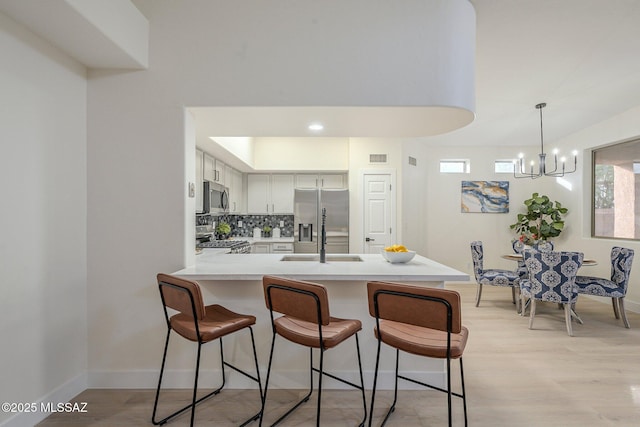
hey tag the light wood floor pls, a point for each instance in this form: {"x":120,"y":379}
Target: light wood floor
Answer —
{"x":514,"y":377}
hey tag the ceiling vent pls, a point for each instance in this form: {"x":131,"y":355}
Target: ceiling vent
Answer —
{"x":413,"y":161}
{"x":377,"y":158}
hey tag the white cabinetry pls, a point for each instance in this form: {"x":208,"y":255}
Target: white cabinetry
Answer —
{"x":209,"y":165}
{"x":233,"y":181}
{"x":260,"y":248}
{"x":321,"y":181}
{"x":282,"y":248}
{"x":213,"y":169}
{"x":199,"y":179}
{"x":272,"y":248}
{"x":219,"y":168}
{"x":270,"y":193}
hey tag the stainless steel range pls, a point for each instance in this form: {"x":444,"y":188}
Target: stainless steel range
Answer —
{"x":236,"y":246}
{"x":205,"y":239}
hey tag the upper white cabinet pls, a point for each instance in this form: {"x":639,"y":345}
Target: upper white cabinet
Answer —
{"x":270,"y":193}
{"x":282,"y":191}
{"x":220,"y":172}
{"x":211,"y":169}
{"x":233,"y":181}
{"x":214,"y":169}
{"x":321,"y":181}
{"x":199,"y":179}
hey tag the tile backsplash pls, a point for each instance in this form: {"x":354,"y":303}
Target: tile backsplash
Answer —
{"x":249,"y":222}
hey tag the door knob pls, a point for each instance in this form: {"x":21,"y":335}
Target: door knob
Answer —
{"x":368,"y":239}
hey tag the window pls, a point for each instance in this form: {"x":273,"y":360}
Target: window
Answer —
{"x":616,"y":191}
{"x":454,"y":166}
{"x":503,"y":166}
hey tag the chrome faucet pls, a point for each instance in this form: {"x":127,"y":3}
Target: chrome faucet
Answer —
{"x":323,"y":237}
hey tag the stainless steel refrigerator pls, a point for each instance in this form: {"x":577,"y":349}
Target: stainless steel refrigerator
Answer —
{"x":307,"y":220}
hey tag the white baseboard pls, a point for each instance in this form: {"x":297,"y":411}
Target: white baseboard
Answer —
{"x":148,"y":379}
{"x":61,"y":394}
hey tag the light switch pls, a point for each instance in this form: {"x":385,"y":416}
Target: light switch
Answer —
{"x":192,"y":189}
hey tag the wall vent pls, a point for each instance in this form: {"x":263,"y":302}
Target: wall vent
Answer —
{"x":413,"y":161}
{"x":377,"y":158}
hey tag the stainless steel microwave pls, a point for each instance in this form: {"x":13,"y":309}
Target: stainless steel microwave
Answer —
{"x":216,"y":197}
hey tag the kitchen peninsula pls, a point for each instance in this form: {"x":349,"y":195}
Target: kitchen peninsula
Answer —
{"x":235,"y":280}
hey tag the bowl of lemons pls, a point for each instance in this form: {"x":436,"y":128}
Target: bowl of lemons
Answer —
{"x":397,"y":254}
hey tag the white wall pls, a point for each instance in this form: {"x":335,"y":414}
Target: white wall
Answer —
{"x":620,"y":128}
{"x":359,"y":150}
{"x":43,"y":222}
{"x":299,"y":154}
{"x":214,"y":54}
{"x":449,"y":231}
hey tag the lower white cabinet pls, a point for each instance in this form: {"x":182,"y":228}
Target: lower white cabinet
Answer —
{"x":260,"y":248}
{"x":272,"y":248}
{"x":281,"y":248}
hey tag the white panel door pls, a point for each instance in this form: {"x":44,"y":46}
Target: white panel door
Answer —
{"x":378,"y":209}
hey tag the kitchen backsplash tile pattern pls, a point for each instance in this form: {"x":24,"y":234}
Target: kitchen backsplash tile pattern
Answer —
{"x":249,"y":222}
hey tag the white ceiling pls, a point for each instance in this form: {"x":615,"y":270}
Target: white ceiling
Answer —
{"x":581,"y":57}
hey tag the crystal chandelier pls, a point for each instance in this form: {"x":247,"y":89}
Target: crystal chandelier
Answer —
{"x":519,"y":170}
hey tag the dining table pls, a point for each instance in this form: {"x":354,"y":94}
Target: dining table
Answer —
{"x":518,"y":257}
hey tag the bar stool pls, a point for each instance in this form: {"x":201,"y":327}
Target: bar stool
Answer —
{"x":422,"y":321}
{"x":201,"y":324}
{"x":306,"y":321}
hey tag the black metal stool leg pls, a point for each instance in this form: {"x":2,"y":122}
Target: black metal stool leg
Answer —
{"x":364,"y":399}
{"x":266,"y":387}
{"x":164,"y":359}
{"x":375,"y":383}
{"x":449,"y":389}
{"x":464,"y":393}
{"x":319,"y":385}
{"x":257,"y":379}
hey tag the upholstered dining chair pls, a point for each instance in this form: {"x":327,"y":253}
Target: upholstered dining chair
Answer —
{"x":421,"y":321}
{"x":551,"y":277}
{"x":491,"y":276}
{"x":306,"y":321}
{"x":519,"y":247}
{"x":201,"y":324}
{"x":616,"y":288}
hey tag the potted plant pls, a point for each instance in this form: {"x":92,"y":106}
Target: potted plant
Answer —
{"x":266,"y":231}
{"x":223,"y":229}
{"x":542,"y":221}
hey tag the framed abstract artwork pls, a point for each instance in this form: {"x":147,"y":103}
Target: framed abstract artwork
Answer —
{"x":485,"y":196}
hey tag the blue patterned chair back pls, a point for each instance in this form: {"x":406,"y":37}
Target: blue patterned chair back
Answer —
{"x":543,"y":246}
{"x":518,"y":246}
{"x":476,"y":255}
{"x":621,"y":260}
{"x":552,"y":275}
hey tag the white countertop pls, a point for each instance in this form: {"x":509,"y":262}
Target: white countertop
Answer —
{"x":214,"y":265}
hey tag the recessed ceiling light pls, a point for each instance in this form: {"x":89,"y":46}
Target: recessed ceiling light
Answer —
{"x":316,"y":127}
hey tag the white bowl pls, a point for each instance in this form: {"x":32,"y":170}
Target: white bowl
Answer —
{"x":398,"y":257}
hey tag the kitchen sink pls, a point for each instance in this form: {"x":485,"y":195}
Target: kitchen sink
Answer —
{"x":328,"y":258}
